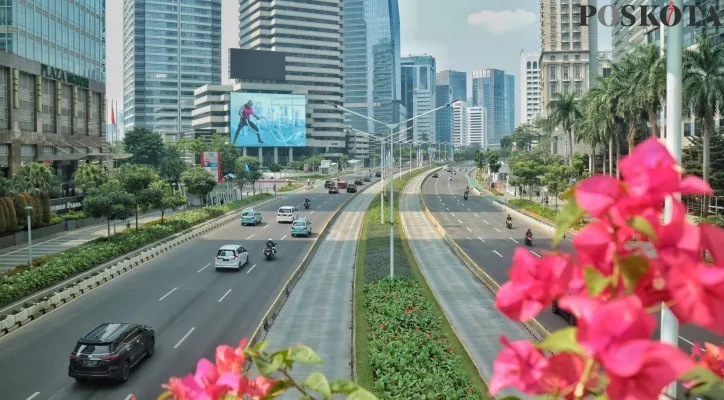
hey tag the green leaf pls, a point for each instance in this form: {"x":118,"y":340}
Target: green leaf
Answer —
{"x":304,"y":355}
{"x":278,"y":388}
{"x":569,"y":193}
{"x":633,"y":268}
{"x":642,"y":225}
{"x":570,"y":214}
{"x":361,"y":394}
{"x":700,"y":374}
{"x":709,"y":390}
{"x":164,"y":396}
{"x":318,"y":382}
{"x":562,"y":341}
{"x":596,"y":282}
{"x":343,"y":386}
{"x":261,"y":346}
{"x":267,"y":368}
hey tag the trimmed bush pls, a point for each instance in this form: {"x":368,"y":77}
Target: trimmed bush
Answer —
{"x":45,"y":197}
{"x":19,"y":203}
{"x":3,"y":217}
{"x":542,"y":211}
{"x":12,"y":221}
{"x":25,"y":280}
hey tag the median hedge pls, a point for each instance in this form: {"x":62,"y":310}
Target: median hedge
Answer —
{"x":290,"y":186}
{"x":47,"y":271}
{"x":541,"y":210}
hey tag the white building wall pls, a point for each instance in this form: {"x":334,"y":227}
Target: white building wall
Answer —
{"x":475,"y":127}
{"x":458,"y":120}
{"x":423,"y":101}
{"x":530,"y":87}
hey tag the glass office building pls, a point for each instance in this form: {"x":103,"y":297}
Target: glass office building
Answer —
{"x":171,"y":47}
{"x":458,"y":82}
{"x":509,"y":103}
{"x":489,"y":91}
{"x":371,"y":68}
{"x":52,"y":83}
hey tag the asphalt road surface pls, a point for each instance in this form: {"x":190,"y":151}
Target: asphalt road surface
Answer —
{"x":478,"y":227}
{"x":192,"y":307}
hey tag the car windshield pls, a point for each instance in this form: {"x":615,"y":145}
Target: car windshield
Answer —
{"x":299,"y":224}
{"x":225,"y":253}
{"x":92,"y":349}
{"x":285,"y":211}
{"x":247,"y":214}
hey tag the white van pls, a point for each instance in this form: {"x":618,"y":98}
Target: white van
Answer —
{"x":287,"y":214}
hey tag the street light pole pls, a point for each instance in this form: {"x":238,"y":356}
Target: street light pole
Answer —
{"x":29,"y":210}
{"x":674,"y":44}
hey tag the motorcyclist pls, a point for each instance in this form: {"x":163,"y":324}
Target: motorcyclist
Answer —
{"x":510,"y":219}
{"x":271,"y":245}
{"x":529,"y":234}
{"x":306,"y":200}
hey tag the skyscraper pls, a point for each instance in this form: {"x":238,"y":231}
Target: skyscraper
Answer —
{"x":419,"y":87}
{"x":443,"y":119}
{"x":509,"y":103}
{"x":457,"y":81}
{"x":459,"y":132}
{"x":310,"y":33}
{"x":171,"y":47}
{"x":475,"y":134}
{"x":529,"y":87}
{"x":489,"y":91}
{"x":625,"y":38}
{"x":52,"y":84}
{"x":371,"y":68}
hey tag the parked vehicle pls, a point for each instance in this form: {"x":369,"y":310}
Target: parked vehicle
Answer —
{"x":301,"y":227}
{"x":231,"y":256}
{"x":250,"y":217}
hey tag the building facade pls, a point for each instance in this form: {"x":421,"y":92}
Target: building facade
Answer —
{"x":490,"y":91}
{"x":459,"y":131}
{"x":311,"y":35}
{"x":475,"y":127}
{"x":457,"y":81}
{"x":509,"y":103}
{"x":443,"y":119}
{"x":371,"y":69}
{"x":625,"y":38}
{"x":419,"y":81}
{"x":170,"y":48}
{"x":52,"y":84}
{"x":529,"y":87}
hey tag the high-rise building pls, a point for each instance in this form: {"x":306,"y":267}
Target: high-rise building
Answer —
{"x":475,"y":127}
{"x":459,"y":131}
{"x":310,"y":33}
{"x":509,"y":103}
{"x":171,"y":47}
{"x":457,"y":81}
{"x":52,"y":84}
{"x":529,"y":87}
{"x":569,"y":56}
{"x":371,"y":69}
{"x":443,"y":119}
{"x":625,"y":38}
{"x":418,"y":89}
{"x":489,"y":91}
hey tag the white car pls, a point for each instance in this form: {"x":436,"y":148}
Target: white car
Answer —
{"x":231,"y":256}
{"x":287,"y":214}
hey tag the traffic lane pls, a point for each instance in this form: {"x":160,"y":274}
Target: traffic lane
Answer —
{"x":498,"y":255}
{"x":125,"y":298}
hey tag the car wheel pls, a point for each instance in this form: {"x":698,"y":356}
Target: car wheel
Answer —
{"x":151,"y":347}
{"x":80,"y":379}
{"x":555,"y":308}
{"x":125,"y":371}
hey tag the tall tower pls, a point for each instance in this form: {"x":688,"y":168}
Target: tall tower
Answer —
{"x":530,"y":105}
{"x":419,"y":81}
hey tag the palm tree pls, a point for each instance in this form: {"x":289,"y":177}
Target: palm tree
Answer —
{"x":649,"y":78}
{"x":587,"y":130}
{"x":36,"y":176}
{"x":563,"y":112}
{"x":90,"y":175}
{"x":703,"y":89}
{"x":628,"y":107}
{"x":602,"y":110}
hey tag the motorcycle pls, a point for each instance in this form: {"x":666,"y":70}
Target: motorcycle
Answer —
{"x":269,"y":253}
{"x":509,"y":224}
{"x":529,"y":240}
{"x":465,"y":196}
{"x":306,"y":204}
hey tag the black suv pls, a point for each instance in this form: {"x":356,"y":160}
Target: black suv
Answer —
{"x":358,"y":182}
{"x":110,"y":351}
{"x":327,"y":184}
{"x":351,"y":189}
{"x":378,"y":174}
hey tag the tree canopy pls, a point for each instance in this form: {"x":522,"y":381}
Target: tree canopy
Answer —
{"x":146,"y":147}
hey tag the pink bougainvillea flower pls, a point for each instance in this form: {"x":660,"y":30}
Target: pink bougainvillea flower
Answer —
{"x":712,"y":358}
{"x":698,"y":292}
{"x":678,"y":238}
{"x":257,"y":388}
{"x":712,"y":238}
{"x":519,"y":365}
{"x":651,"y":289}
{"x":597,"y":194}
{"x":229,"y":359}
{"x":595,"y":245}
{"x":562,"y":374}
{"x":534,"y":283}
{"x":641,"y":369}
{"x":176,"y":387}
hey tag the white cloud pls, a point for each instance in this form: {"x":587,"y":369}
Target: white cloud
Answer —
{"x":499,"y":22}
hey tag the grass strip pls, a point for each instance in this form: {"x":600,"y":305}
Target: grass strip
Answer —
{"x":291,"y":186}
{"x":47,"y":271}
{"x":405,"y":347}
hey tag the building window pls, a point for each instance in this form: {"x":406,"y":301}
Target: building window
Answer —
{"x":48,"y":111}
{"x":551,"y":72}
{"x":81,"y":122}
{"x":576,"y":46}
{"x":4,"y":150}
{"x":65,"y":126}
{"x":565,"y":46}
{"x":687,"y":129}
{"x":4,"y":103}
{"x":66,"y":150}
{"x":579,"y":88}
{"x":566,"y":75}
{"x":566,"y":88}
{"x":27,"y":150}
{"x":565,"y":37}
{"x":577,"y":57}
{"x":554,"y":87}
{"x":94,"y":126}
{"x":48,"y":150}
{"x":577,"y":71}
{"x":577,"y":37}
{"x":26,"y":95}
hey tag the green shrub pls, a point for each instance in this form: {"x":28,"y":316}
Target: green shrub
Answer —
{"x":541,"y":210}
{"x":717,"y":220}
{"x":3,"y":217}
{"x":19,"y":203}
{"x":45,"y":197}
{"x":290,"y":186}
{"x":37,"y":210}
{"x":24,"y":280}
{"x":409,"y":354}
{"x":12,"y":222}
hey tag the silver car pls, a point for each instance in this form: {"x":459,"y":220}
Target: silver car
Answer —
{"x":231,"y":256}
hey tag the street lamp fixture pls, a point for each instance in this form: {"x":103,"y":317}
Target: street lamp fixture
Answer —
{"x":29,"y":211}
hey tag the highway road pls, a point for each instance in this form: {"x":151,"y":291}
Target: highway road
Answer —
{"x":478,"y":227}
{"x":192,"y":307}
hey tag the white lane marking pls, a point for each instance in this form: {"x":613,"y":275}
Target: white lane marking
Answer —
{"x":468,"y":209}
{"x":205,"y":266}
{"x":319,"y":206}
{"x":513,"y":239}
{"x":538,"y":255}
{"x":224,"y":296}
{"x":460,"y":221}
{"x":283,"y":237}
{"x":486,"y":222}
{"x":496,"y":252}
{"x":469,"y":230}
{"x":481,"y":239}
{"x":468,"y":238}
{"x":311,"y":212}
{"x":184,"y":338}
{"x":476,"y":215}
{"x":167,"y":294}
{"x":267,"y":225}
{"x":250,"y":236}
{"x":498,"y":230}
{"x":32,"y":396}
{"x":453,"y":214}
{"x":129,"y":397}
{"x":443,"y":204}
{"x":251,"y":269}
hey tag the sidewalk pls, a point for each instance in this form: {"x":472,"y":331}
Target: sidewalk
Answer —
{"x":468,"y":304}
{"x":11,"y":257}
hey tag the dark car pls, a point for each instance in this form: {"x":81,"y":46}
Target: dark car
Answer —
{"x":378,"y":174}
{"x":367,"y":179}
{"x":351,"y":189}
{"x":358,"y":182}
{"x":333,"y":189}
{"x":110,"y":351}
{"x":327,"y":184}
{"x":435,"y":175}
{"x":570,"y":318}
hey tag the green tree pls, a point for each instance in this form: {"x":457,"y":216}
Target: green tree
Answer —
{"x":159,"y":196}
{"x":109,"y":201}
{"x":45,"y":200}
{"x":36,"y":177}
{"x":89,"y":175}
{"x":172,"y":166}
{"x":134,"y":179}
{"x":4,"y":218}
{"x":527,"y":173}
{"x":218,"y":143}
{"x":703,"y":90}
{"x":692,"y":156}
{"x":557,"y":179}
{"x":146,"y":147}
{"x":198,"y":181}
{"x":506,"y":142}
{"x":650,"y":81}
{"x":19,"y":204}
{"x":563,"y":112}
{"x":12,"y":223}
{"x":275,"y":167}
{"x":247,"y":170}
{"x":523,"y":136}
{"x":580,"y":165}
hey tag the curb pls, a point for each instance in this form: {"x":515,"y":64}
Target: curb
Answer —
{"x":23,"y":312}
{"x":534,"y":327}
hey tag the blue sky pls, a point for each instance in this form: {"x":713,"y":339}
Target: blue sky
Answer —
{"x":461,"y":34}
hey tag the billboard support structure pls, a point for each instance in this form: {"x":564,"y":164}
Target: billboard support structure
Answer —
{"x":267,"y":119}
{"x":211,"y":162}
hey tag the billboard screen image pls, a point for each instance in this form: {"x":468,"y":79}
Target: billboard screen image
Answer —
{"x":211,"y":161}
{"x":267,"y":120}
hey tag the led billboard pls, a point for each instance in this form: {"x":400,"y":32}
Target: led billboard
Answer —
{"x":267,"y":120}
